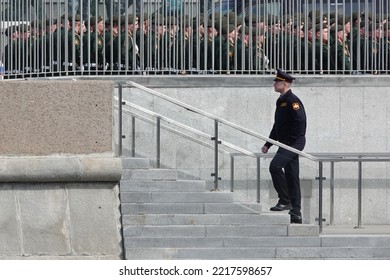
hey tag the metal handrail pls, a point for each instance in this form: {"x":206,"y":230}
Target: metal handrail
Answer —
{"x":316,"y":157}
{"x":167,"y":128}
{"x":332,"y":158}
{"x":221,"y":120}
{"x":190,"y":129}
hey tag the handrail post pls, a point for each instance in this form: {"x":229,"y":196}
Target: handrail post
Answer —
{"x":331,"y":193}
{"x":232,"y":173}
{"x":359,"y":194}
{"x":258,"y":179}
{"x":320,"y":197}
{"x":132,"y":136}
{"x":120,"y":120}
{"x":158,"y":141}
{"x":216,"y":142}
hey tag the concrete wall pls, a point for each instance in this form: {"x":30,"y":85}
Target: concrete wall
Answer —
{"x":58,"y":171}
{"x":345,"y":114}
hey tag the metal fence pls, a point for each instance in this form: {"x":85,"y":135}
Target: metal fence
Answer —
{"x":171,"y":37}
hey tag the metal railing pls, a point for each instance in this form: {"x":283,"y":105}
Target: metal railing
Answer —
{"x":320,"y":158}
{"x":174,"y":37}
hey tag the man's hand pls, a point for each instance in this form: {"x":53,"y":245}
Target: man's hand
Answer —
{"x":264,"y":149}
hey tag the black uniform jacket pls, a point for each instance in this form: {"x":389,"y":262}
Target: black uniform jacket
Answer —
{"x":290,"y":121}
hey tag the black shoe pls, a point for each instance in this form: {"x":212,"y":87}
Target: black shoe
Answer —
{"x":295,"y":219}
{"x":281,"y":207}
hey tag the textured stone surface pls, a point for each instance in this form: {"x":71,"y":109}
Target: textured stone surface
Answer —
{"x":59,"y":221}
{"x":60,"y":169}
{"x":46,"y":117}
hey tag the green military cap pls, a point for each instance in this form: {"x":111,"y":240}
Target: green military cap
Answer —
{"x":317,"y":16}
{"x":94,"y":20}
{"x":318,"y":26}
{"x":74,"y":17}
{"x":332,"y":15}
{"x":170,"y":21}
{"x":336,"y":28}
{"x":219,"y":23}
{"x":158,"y":19}
{"x":144,"y":16}
{"x":130,"y":19}
{"x":254,"y":19}
{"x":308,"y":25}
{"x":367,"y":15}
{"x":185,"y":21}
{"x":248,"y":30}
{"x":49,"y":21}
{"x":356,"y":16}
{"x":341,"y":19}
{"x":115,"y":20}
{"x":197,"y":21}
{"x":272,"y":20}
{"x":237,"y":21}
{"x":255,"y":31}
{"x":227,"y":28}
{"x":216,"y":16}
{"x":288,"y":18}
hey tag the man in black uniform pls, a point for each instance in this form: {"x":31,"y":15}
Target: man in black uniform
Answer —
{"x":290,"y":129}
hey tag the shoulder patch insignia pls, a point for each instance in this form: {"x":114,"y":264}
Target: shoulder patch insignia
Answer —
{"x":295,"y":106}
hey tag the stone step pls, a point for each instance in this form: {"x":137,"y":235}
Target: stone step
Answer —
{"x":149,"y":174}
{"x":172,"y":197}
{"x":332,"y":253}
{"x":199,"y":253}
{"x":185,"y":208}
{"x":135,"y":163}
{"x":224,"y":242}
{"x":353,"y":241}
{"x":256,"y":253}
{"x":161,"y":186}
{"x":205,"y":231}
{"x":206,"y":219}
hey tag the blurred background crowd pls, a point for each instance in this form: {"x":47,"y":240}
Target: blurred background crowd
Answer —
{"x":83,"y":37}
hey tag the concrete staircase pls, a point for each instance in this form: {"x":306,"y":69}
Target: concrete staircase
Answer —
{"x":167,"y":218}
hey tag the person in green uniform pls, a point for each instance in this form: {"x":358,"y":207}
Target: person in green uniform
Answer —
{"x":321,"y":50}
{"x":93,"y":47}
{"x":128,"y":57}
{"x":73,"y":61}
{"x":224,"y":48}
{"x":339,"y":53}
{"x":11,"y":51}
{"x":184,"y":46}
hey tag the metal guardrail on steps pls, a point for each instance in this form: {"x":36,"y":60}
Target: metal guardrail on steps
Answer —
{"x":319,"y":158}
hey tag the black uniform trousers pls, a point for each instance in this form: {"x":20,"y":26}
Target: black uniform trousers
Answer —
{"x":284,"y":169}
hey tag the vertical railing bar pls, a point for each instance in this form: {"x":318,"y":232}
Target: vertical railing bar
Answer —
{"x":215,"y":155}
{"x":132,"y":136}
{"x":232,"y":173}
{"x":359,"y":194}
{"x":158,"y":141}
{"x":258,"y":179}
{"x":331,"y":192}
{"x":120,"y":120}
{"x":320,"y":196}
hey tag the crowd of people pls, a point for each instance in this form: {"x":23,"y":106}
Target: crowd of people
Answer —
{"x":174,"y":43}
